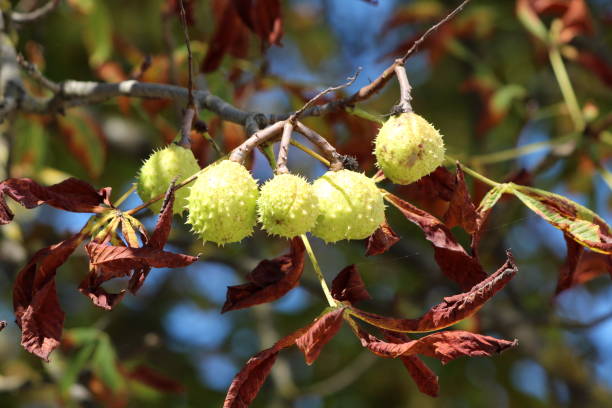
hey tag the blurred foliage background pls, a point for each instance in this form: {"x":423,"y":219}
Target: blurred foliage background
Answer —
{"x":483,"y":80}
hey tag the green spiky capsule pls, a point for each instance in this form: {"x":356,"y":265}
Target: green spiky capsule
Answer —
{"x":408,"y":148}
{"x":158,"y":171}
{"x":287,"y":206}
{"x":350,"y":204}
{"x":222,"y":202}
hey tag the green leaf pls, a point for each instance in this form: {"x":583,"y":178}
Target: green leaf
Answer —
{"x":577,"y":221}
{"x":104,"y":364}
{"x":75,"y":367}
{"x":491,"y":198}
{"x":30,"y":147}
{"x":97,"y":34}
{"x":85,"y":140}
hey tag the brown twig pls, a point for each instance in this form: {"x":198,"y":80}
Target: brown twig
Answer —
{"x":239,"y":154}
{"x":283,"y":150}
{"x":36,"y":14}
{"x":329,"y":152}
{"x":350,"y":80}
{"x":35,"y":73}
{"x":190,"y":110}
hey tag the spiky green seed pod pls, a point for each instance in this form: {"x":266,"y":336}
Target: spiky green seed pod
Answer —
{"x":221,"y":203}
{"x":287,"y":206}
{"x":160,"y":169}
{"x":350,"y":205}
{"x":408,"y":148}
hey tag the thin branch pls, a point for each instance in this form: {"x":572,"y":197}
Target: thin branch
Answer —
{"x":240,"y":153}
{"x":190,"y":110}
{"x":283,"y":150}
{"x":36,"y":75}
{"x":34,"y":14}
{"x":299,"y":112}
{"x":405,"y":89}
{"x":329,"y":152}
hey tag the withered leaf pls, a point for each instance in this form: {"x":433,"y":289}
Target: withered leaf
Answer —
{"x":154,"y":379}
{"x":425,"y":379}
{"x":348,"y":286}
{"x":452,"y":258}
{"x":263,"y":17}
{"x":381,"y":240}
{"x":118,"y":258}
{"x":248,"y":381}
{"x":37,"y":309}
{"x":581,"y":266}
{"x":445,"y":346}
{"x":461,"y":210}
{"x":450,"y":311}
{"x":319,"y":334}
{"x":576,"y":221}
{"x":269,"y":281}
{"x":71,"y":195}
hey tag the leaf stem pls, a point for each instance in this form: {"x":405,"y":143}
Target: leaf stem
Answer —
{"x":474,"y":173}
{"x":310,"y":152}
{"x":315,"y":265}
{"x":125,"y":195}
{"x":558,"y":66}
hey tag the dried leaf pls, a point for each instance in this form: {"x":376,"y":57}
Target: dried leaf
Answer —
{"x":319,"y":334}
{"x":348,"y":286}
{"x":581,"y":266}
{"x":444,"y":346}
{"x":452,"y":309}
{"x":269,"y":281}
{"x":452,"y":258}
{"x":248,"y":381}
{"x":70,"y":195}
{"x":576,"y":221}
{"x":37,"y":309}
{"x":381,"y":240}
{"x":263,"y":17}
{"x":154,"y":379}
{"x":461,"y":210}
{"x":425,"y":379}
{"x":119,"y":259}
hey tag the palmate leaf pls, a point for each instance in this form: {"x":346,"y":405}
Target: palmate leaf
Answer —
{"x":576,"y":221}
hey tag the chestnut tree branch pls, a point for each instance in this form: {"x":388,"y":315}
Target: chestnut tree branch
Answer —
{"x":35,"y":14}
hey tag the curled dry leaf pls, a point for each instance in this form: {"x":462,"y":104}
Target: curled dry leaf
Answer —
{"x":348,"y":286}
{"x":452,"y":309}
{"x":70,"y":195}
{"x":248,"y":381}
{"x":425,"y":379}
{"x":445,"y":346}
{"x":381,"y":240}
{"x":452,"y":258}
{"x":37,"y":309}
{"x":269,"y":281}
{"x":581,"y":266}
{"x":154,"y":379}
{"x":461,"y":210}
{"x":319,"y":334}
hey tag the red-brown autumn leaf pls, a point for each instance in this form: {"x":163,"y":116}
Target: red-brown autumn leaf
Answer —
{"x":70,"y":195}
{"x":461,"y":210}
{"x":581,"y":266}
{"x":263,"y":17}
{"x":445,"y":346}
{"x":126,"y":258}
{"x":348,"y":286}
{"x":154,"y":379}
{"x":248,"y":381}
{"x":233,"y":20}
{"x":319,"y":334}
{"x":452,"y":258}
{"x":450,"y":311}
{"x":574,"y":16}
{"x":425,"y":379}
{"x":37,"y":309}
{"x":269,"y":281}
{"x":381,"y":240}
